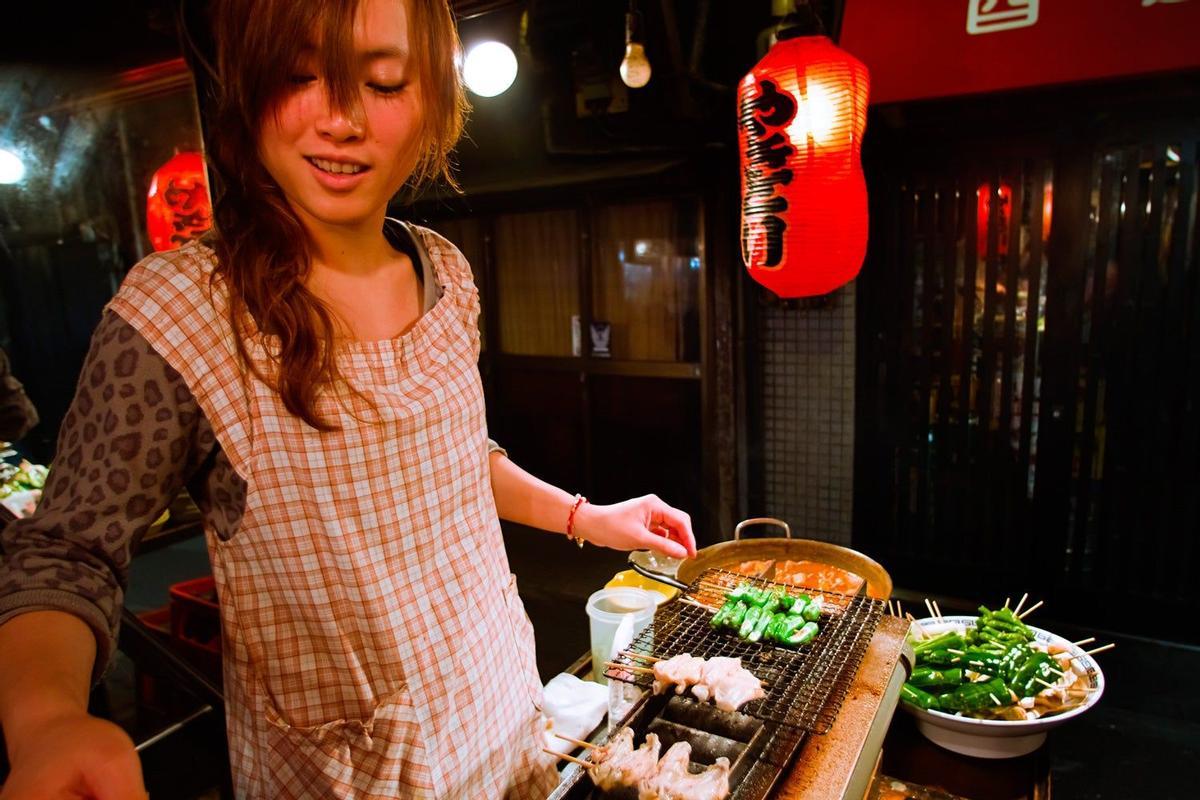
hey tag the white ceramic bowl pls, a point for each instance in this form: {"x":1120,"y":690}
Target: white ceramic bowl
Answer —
{"x":997,"y":738}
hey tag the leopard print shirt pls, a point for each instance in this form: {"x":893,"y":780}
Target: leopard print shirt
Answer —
{"x":133,"y":437}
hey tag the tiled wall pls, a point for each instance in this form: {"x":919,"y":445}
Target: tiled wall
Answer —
{"x":808,"y":414}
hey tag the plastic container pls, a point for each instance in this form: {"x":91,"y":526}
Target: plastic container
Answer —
{"x":605,"y":609}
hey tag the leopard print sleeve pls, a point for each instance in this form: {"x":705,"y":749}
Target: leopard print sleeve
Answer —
{"x":133,"y":435}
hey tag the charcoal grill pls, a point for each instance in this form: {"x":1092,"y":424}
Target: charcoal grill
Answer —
{"x":805,"y":687}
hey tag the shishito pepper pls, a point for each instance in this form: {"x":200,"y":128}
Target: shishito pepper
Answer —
{"x":928,"y":676}
{"x":917,"y":697}
{"x":786,"y":601}
{"x":773,"y":602}
{"x":750,"y":621}
{"x":791,"y":624}
{"x":946,"y":641}
{"x":976,"y":696}
{"x":738,"y":615}
{"x":941,"y":657}
{"x":741,"y":591}
{"x":983,"y":661}
{"x":774,"y":628}
{"x":803,"y":635}
{"x":718,"y":619}
{"x":760,"y":627}
{"x":812,"y":610}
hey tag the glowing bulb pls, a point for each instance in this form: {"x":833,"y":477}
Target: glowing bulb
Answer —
{"x":489,"y":68}
{"x":814,"y":115}
{"x":12,"y":170}
{"x":635,"y":67}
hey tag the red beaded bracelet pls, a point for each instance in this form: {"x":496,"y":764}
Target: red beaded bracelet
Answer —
{"x":579,"y":500}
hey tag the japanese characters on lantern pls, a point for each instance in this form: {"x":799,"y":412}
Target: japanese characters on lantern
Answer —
{"x":802,"y":114}
{"x":178,"y":208}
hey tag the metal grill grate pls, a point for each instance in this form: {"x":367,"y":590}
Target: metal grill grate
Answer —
{"x":804,"y":688}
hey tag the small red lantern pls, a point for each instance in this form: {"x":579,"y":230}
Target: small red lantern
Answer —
{"x":802,"y":113}
{"x":177,"y":206}
{"x":983,"y":205}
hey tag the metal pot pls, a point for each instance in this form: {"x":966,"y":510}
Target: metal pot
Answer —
{"x":727,"y":555}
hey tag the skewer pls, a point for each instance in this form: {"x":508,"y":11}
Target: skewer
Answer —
{"x":577,"y":742}
{"x":899,"y":609}
{"x":642,"y":656}
{"x":1007,"y":600}
{"x":956,"y":652}
{"x":929,"y":607}
{"x":1094,"y":651}
{"x":915,"y":626}
{"x":565,"y":757}
{"x":1088,"y":640}
{"x":995,"y":699}
{"x":939,"y":611}
{"x":1031,"y":609}
{"x":1021,"y":602}
{"x":628,"y":668}
{"x":891,"y":610}
{"x":1047,"y":684}
{"x":689,"y":601}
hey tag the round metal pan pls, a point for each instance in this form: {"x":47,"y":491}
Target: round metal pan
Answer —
{"x":728,"y":555}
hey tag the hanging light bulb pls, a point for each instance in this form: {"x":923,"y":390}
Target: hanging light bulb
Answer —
{"x":635,"y":67}
{"x":489,"y":68}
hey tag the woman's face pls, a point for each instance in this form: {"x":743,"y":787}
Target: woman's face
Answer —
{"x":333,"y":169}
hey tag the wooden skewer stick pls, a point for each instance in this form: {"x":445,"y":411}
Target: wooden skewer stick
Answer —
{"x":642,"y":656}
{"x":1031,"y":609}
{"x":577,"y":742}
{"x":891,"y":610}
{"x":1088,"y":640}
{"x":565,"y":757}
{"x":1020,"y":603}
{"x":628,"y":668}
{"x":929,"y":608}
{"x":689,"y":601}
{"x":1095,"y":651}
{"x":899,"y":609}
{"x":938,"y":609}
{"x":1047,"y":684}
{"x":1007,"y":600}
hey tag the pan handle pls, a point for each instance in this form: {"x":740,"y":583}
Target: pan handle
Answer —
{"x":658,"y":576}
{"x":737,"y":532}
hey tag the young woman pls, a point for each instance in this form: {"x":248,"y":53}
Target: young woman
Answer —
{"x":309,"y":372}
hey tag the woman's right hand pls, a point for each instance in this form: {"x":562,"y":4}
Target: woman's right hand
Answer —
{"x":77,"y":757}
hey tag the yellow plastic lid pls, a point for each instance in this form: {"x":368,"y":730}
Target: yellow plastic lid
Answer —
{"x":637,"y":581}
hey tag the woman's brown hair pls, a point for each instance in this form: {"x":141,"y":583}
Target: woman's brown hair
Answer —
{"x":261,"y":246}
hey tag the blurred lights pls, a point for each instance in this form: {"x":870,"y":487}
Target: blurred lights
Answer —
{"x":489,"y":68}
{"x":12,"y":169}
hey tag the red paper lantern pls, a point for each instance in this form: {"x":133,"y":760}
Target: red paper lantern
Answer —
{"x":178,"y":208}
{"x":802,"y":113}
{"x":983,"y":205}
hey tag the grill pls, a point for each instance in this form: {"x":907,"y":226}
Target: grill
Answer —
{"x":757,"y":751}
{"x":805,"y":688}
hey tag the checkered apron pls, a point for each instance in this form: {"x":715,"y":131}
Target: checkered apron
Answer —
{"x":375,"y":645}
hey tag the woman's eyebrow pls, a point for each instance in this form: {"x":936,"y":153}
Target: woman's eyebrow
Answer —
{"x":377,"y":53}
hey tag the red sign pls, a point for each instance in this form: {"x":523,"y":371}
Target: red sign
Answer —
{"x":919,"y":49}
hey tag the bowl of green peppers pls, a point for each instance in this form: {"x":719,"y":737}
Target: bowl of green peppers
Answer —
{"x":990,"y":686}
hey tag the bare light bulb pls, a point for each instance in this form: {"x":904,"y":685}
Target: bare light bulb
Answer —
{"x":12,"y":169}
{"x":635,"y":67}
{"x":489,"y":68}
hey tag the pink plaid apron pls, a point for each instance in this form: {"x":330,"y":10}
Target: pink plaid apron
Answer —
{"x":375,"y":645}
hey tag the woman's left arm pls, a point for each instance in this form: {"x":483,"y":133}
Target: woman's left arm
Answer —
{"x":640,"y":523}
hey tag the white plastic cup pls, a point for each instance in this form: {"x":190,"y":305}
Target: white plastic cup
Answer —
{"x":605,"y":609}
